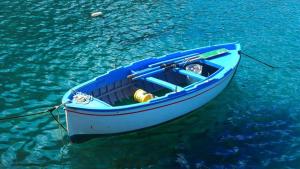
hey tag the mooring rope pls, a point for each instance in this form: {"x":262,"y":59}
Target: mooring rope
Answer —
{"x":267,"y":64}
{"x":58,"y":122}
{"x":34,"y":114}
{"x":21,"y":116}
{"x":253,"y":58}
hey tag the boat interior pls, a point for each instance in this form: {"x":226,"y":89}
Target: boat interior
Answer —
{"x":118,"y":87}
{"x":121,"y":92}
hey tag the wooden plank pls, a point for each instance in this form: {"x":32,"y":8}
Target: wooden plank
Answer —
{"x":190,"y":74}
{"x":213,"y":53}
{"x":164,"y":84}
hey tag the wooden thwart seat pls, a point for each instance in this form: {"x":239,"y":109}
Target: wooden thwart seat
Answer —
{"x":190,"y":74}
{"x":164,"y":84}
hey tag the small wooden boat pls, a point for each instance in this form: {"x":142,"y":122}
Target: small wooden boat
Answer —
{"x":149,"y":92}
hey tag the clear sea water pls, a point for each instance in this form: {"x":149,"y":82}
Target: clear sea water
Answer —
{"x":46,"y":47}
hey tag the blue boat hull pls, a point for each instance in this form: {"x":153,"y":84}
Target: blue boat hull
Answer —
{"x":106,"y":120}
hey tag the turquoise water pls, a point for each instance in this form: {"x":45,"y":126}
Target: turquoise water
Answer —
{"x":46,"y":47}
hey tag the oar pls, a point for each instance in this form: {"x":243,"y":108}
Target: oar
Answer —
{"x":161,"y":69}
{"x":184,"y":59}
{"x":205,"y":55}
{"x":161,"y":64}
{"x":213,"y":53}
{"x":148,"y":70}
{"x":173,"y":60}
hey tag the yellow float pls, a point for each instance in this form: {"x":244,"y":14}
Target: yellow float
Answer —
{"x":142,"y":96}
